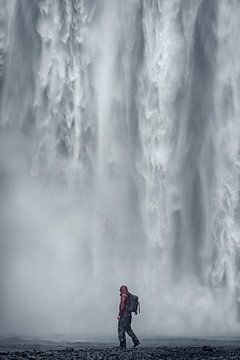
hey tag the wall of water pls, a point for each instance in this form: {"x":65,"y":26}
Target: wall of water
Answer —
{"x":119,"y":164}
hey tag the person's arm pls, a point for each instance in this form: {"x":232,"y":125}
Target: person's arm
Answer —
{"x":122,"y":304}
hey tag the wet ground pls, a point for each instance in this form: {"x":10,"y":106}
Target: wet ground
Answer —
{"x":161,"y":349}
{"x":163,"y":353}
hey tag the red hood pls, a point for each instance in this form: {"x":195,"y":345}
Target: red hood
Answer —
{"x":124,"y":289}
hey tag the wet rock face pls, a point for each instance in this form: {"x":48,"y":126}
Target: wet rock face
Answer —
{"x":159,"y":353}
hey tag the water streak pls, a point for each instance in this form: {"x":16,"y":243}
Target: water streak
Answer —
{"x":119,"y":164}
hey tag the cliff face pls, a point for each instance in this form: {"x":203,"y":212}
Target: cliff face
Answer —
{"x":119,"y":163}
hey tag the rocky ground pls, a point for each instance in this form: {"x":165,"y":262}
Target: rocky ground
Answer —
{"x":142,"y":353}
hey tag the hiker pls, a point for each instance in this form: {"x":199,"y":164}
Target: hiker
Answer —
{"x":128,"y":304}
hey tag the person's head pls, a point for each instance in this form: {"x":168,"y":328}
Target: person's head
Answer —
{"x":124,"y":289}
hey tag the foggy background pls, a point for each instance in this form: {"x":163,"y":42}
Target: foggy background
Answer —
{"x":119,"y":164}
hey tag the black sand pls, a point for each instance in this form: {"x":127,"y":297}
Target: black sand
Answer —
{"x":161,"y":349}
{"x":163,"y":353}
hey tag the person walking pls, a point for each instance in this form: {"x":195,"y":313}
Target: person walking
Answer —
{"x":125,"y":316}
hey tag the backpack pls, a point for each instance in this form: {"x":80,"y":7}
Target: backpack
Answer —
{"x":134,"y":304}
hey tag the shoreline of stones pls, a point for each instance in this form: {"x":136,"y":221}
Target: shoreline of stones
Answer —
{"x":141,"y":353}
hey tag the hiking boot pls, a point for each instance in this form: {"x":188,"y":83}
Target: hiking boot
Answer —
{"x":136,"y":343}
{"x":121,"y":348}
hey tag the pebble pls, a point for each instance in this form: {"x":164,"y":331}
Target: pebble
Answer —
{"x":141,"y":353}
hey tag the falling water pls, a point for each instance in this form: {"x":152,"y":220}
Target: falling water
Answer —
{"x":120,"y":163}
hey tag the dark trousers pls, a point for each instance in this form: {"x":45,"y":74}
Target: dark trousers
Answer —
{"x":124,"y":325}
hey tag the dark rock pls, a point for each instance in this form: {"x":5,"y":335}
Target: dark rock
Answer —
{"x":150,"y":353}
{"x":207,"y":348}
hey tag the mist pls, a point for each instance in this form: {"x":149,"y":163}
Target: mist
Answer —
{"x":119,"y":164}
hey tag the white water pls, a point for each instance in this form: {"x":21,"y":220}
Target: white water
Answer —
{"x":119,"y":163}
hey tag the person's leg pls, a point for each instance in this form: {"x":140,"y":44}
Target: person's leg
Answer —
{"x":121,"y":333}
{"x":130,"y":331}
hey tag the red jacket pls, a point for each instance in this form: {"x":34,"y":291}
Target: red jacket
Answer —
{"x":124,"y":301}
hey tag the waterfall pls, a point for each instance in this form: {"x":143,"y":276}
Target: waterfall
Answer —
{"x":119,"y":164}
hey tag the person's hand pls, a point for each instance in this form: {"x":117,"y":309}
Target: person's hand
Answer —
{"x":118,"y":317}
